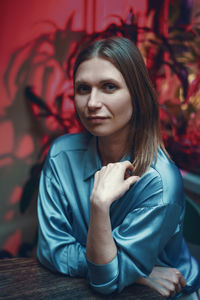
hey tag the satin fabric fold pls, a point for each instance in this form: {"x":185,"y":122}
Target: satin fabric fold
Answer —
{"x":147,"y":222}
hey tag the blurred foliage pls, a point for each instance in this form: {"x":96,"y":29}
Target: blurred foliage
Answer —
{"x":173,"y":61}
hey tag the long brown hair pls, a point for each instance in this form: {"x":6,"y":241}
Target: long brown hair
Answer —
{"x":125,"y":56}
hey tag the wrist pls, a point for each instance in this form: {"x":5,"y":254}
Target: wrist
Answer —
{"x":100,"y":205}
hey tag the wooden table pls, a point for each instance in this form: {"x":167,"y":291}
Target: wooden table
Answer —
{"x":25,"y":278}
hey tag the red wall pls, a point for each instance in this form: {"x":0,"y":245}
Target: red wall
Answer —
{"x":22,"y":22}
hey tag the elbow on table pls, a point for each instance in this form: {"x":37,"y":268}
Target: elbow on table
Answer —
{"x":43,"y":258}
{"x":106,"y":288}
{"x":49,"y":261}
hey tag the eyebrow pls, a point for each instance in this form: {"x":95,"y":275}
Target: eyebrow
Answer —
{"x":80,"y":82}
{"x":109,"y":79}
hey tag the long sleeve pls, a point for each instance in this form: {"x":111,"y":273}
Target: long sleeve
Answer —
{"x":57,"y":249}
{"x":146,"y":222}
{"x":140,"y":238}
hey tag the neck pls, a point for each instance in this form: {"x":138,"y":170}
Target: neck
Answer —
{"x":112,"y":149}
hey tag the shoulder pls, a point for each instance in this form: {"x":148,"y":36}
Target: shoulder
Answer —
{"x":161,"y":184}
{"x":167,"y":171}
{"x":70,"y":142}
{"x":166,"y":174}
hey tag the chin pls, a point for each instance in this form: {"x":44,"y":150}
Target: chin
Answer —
{"x":96,"y":133}
{"x":100,"y":133}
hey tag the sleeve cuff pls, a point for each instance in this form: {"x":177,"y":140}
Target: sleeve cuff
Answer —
{"x":102,"y":274}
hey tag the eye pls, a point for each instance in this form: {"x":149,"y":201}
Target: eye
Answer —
{"x":109,"y":87}
{"x":82,"y":89}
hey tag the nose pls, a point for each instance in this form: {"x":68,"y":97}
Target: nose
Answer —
{"x":94,"y":101}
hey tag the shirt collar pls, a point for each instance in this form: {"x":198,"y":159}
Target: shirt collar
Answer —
{"x":92,"y":162}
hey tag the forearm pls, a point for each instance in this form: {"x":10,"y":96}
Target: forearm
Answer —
{"x":100,"y":248}
{"x":109,"y":185}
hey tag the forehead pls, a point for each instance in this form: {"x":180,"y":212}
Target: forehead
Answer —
{"x":97,"y":69}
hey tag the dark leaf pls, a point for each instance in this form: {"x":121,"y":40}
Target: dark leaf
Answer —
{"x":31,"y":96}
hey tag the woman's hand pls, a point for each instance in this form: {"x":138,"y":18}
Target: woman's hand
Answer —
{"x":165,"y":281}
{"x":112,"y":182}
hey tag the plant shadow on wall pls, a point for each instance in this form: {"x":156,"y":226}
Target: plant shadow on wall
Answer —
{"x":36,"y":83}
{"x":44,"y":81}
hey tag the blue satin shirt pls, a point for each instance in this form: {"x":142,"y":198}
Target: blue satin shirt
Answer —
{"x":147,"y":222}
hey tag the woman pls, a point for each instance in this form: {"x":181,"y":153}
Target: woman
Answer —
{"x":111,"y":202}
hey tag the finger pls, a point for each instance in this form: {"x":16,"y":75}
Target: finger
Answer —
{"x":96,"y":178}
{"x":163,"y":291}
{"x":166,"y":284}
{"x":126,"y":164}
{"x":96,"y":175}
{"x":110,"y":165}
{"x":155,"y":285}
{"x":131,"y":180}
{"x":173,"y":286}
{"x":182,"y":281}
{"x":178,"y":288}
{"x":172,"y":294}
{"x":128,"y":173}
{"x":102,"y":170}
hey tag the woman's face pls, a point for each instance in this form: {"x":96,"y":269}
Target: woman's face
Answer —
{"x":102,"y":98}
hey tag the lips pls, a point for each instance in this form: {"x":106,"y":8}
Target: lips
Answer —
{"x":96,"y":117}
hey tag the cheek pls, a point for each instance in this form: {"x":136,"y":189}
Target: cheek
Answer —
{"x":125,"y":108}
{"x":78,"y":105}
{"x":125,"y":115}
{"x":79,"y":108}
{"x":78,"y":112}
